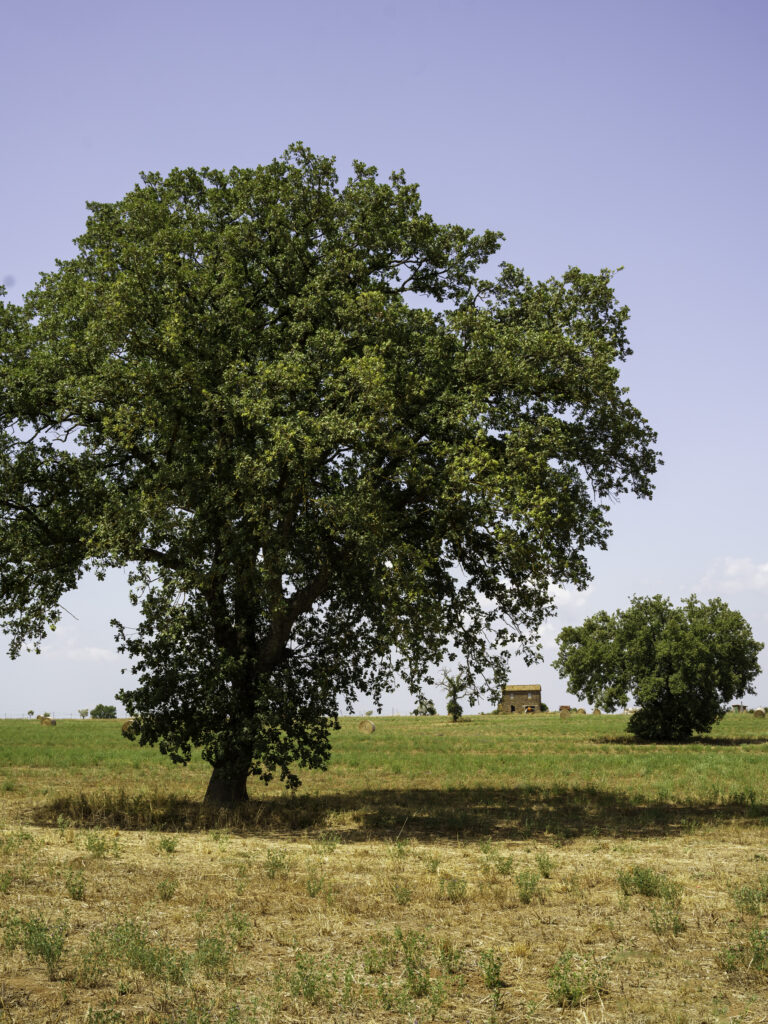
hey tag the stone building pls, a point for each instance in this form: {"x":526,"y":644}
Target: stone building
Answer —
{"x":523,"y":699}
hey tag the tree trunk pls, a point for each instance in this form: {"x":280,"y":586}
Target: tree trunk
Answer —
{"x":227,"y":786}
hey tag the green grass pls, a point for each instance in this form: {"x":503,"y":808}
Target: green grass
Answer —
{"x":505,"y":774}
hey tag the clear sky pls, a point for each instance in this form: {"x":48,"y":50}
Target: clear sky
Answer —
{"x":601,"y":134}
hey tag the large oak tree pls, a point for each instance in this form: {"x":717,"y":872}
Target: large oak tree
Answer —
{"x":330,"y":454}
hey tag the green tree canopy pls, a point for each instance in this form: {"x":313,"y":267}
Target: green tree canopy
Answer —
{"x":329,"y":453}
{"x":104,"y":711}
{"x":680,"y":665}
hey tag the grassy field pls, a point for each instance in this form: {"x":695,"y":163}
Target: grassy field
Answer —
{"x":498,"y":869}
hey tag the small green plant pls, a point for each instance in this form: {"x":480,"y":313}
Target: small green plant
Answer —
{"x":9,"y":786}
{"x":315,"y":884}
{"x":751,"y":899}
{"x":326,"y":843}
{"x":544,"y":864}
{"x":6,"y":878}
{"x":666,"y":920}
{"x":490,"y":965}
{"x":649,"y":883}
{"x":449,"y":957}
{"x":527,"y":884}
{"x":572,"y":983}
{"x":44,"y":941}
{"x":401,"y":892}
{"x":75,"y":885}
{"x":96,"y":843}
{"x":454,"y":890}
{"x":309,"y":979}
{"x":413,"y":946}
{"x":213,"y":955}
{"x":399,"y":850}
{"x":431,"y":863}
{"x":167,"y":844}
{"x":276,"y":863}
{"x":378,"y":955}
{"x":166,"y":889}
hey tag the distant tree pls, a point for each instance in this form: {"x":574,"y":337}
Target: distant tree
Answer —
{"x":455,"y":685}
{"x":30,"y":714}
{"x":327,"y":449}
{"x":104,"y":711}
{"x":680,"y":666}
{"x":424,"y":706}
{"x":544,"y":707}
{"x":83,"y":712}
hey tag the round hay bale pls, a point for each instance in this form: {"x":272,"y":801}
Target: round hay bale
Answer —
{"x":367,"y":726}
{"x":597,"y":711}
{"x":759,"y":713}
{"x":564,"y":713}
{"x":130,"y":729}
{"x":47,"y":721}
{"x":580,"y":711}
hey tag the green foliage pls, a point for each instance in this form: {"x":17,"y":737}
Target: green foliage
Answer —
{"x":75,"y":885}
{"x":490,"y":965}
{"x":329,"y":453}
{"x":527,"y":884}
{"x":573,"y":982}
{"x":38,"y":938}
{"x":681,"y":665}
{"x":424,"y":706}
{"x":104,"y":711}
{"x":83,"y":712}
{"x":648,"y":882}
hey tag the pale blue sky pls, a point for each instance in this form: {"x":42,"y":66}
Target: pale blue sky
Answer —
{"x":590,"y":133}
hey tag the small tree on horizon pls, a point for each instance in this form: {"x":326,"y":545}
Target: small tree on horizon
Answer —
{"x":680,"y":666}
{"x":104,"y":711}
{"x":83,"y":712}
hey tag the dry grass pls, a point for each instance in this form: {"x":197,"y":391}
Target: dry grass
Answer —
{"x":327,"y":910}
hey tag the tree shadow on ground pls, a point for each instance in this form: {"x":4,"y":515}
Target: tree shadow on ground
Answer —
{"x":554,"y":814}
{"x":627,"y":740}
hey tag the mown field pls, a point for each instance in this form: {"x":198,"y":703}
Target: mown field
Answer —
{"x":498,"y":869}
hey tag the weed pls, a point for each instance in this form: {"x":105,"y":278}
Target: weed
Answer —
{"x":167,"y":844}
{"x":276,"y":864}
{"x":650,"y":883}
{"x":527,"y":884}
{"x":75,"y":885}
{"x":309,"y":979}
{"x":454,"y":890}
{"x":326,"y":843}
{"x":448,"y":956}
{"x":96,"y":843}
{"x":166,"y":889}
{"x":129,"y":944}
{"x":238,"y":926}
{"x":751,"y":899}
{"x":399,"y":850}
{"x":666,"y":920}
{"x":505,"y":865}
{"x":44,"y":941}
{"x":315,"y":883}
{"x":431,"y":863}
{"x":5,"y":882}
{"x":213,"y":955}
{"x":401,"y":892}
{"x":544,"y":864}
{"x":572,"y":984}
{"x":490,"y":965}
{"x":414,"y":945}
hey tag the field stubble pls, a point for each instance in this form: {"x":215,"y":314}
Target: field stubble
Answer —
{"x":496,"y":870}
